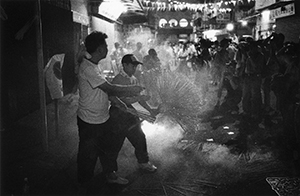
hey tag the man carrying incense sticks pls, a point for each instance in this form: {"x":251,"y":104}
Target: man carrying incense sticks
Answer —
{"x":127,"y":120}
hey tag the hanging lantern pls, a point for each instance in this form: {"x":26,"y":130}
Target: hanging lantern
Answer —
{"x":184,"y":8}
{"x":172,"y":8}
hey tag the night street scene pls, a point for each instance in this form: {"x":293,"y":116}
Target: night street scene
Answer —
{"x":150,"y":97}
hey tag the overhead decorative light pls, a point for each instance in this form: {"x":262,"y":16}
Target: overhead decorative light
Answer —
{"x":183,"y":23}
{"x":244,"y":23}
{"x":229,"y":27}
{"x":162,"y":22}
{"x":173,"y":23}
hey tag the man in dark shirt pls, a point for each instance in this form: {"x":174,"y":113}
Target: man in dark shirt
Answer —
{"x":252,"y":98}
{"x":231,"y":83}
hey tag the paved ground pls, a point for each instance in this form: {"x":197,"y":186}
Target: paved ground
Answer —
{"x":185,"y":167}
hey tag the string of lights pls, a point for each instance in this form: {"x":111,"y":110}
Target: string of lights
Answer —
{"x":170,"y":5}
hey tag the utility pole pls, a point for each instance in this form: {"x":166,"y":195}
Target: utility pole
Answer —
{"x":40,"y":64}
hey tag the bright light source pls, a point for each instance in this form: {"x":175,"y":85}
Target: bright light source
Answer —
{"x":183,"y":23}
{"x":225,"y":127}
{"x":112,"y":9}
{"x":266,"y":16}
{"x":244,"y":23}
{"x":229,"y":27}
{"x":173,"y":23}
{"x":265,"y":20}
{"x":210,"y":140}
{"x":230,"y":133}
{"x":148,"y":128}
{"x":162,"y":22}
{"x":211,"y":34}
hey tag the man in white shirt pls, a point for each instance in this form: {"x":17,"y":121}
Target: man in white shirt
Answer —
{"x":94,"y":125}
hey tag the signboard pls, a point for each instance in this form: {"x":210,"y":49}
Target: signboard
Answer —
{"x":111,"y":9}
{"x":281,"y":12}
{"x":80,"y":18}
{"x":259,"y":4}
{"x":223,"y":18}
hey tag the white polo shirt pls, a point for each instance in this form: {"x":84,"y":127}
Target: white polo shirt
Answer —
{"x":93,"y":104}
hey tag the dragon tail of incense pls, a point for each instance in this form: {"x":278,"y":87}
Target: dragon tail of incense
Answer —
{"x":179,"y":94}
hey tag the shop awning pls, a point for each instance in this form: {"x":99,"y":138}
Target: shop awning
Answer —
{"x":122,"y":11}
{"x":251,"y":16}
{"x":278,"y":4}
{"x":134,"y":13}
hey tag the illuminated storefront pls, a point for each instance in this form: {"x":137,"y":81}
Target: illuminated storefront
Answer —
{"x":277,"y":16}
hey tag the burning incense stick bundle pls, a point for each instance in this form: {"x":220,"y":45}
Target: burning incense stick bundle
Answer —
{"x":178,"y":92}
{"x":179,"y":98}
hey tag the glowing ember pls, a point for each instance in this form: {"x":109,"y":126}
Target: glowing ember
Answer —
{"x":149,"y":129}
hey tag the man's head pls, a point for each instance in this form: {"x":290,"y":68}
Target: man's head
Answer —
{"x":253,"y":46}
{"x":152,"y":52}
{"x":225,"y":43}
{"x":96,"y":45}
{"x":130,"y":62}
{"x":117,"y":45}
{"x":277,"y":40}
{"x":288,"y":53}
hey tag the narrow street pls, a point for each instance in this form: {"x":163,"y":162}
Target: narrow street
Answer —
{"x":219,"y":81}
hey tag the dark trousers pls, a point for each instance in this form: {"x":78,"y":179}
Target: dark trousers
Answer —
{"x":266,"y":87}
{"x":129,"y":126}
{"x":95,"y":140}
{"x":252,"y":99}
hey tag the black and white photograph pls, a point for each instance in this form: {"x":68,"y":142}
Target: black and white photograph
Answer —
{"x":150,"y":98}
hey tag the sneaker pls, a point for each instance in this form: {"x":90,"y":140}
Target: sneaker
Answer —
{"x":114,"y":179}
{"x":148,"y":167}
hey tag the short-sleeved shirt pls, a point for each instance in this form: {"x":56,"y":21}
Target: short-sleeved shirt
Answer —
{"x":93,"y":104}
{"x":123,"y":79}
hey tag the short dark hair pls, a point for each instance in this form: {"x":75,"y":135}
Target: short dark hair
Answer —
{"x":152,"y":51}
{"x":94,"y":40}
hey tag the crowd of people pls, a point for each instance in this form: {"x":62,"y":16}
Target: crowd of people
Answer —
{"x":249,"y":70}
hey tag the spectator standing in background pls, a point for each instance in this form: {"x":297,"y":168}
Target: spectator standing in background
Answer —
{"x":273,"y":44}
{"x":116,"y":56}
{"x":151,"y":70}
{"x":182,"y":55}
{"x":252,"y":98}
{"x":219,"y":62}
{"x":139,"y":54}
